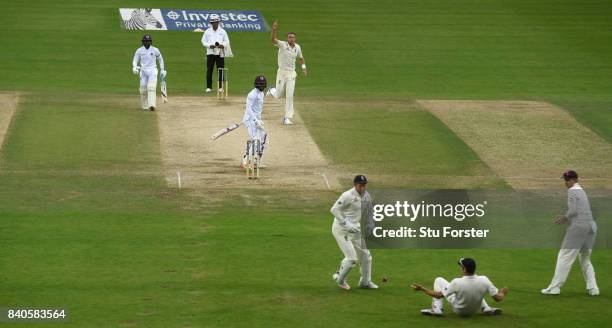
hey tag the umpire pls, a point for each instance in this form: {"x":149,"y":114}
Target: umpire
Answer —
{"x":579,"y":238}
{"x":217,"y":45}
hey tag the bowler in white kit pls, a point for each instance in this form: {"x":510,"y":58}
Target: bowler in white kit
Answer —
{"x":346,"y":229}
{"x":146,"y":56}
{"x":464,"y":294}
{"x":288,"y":53}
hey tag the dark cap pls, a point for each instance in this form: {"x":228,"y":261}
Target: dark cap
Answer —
{"x":360,"y":179}
{"x":468,"y":264}
{"x":568,"y":175}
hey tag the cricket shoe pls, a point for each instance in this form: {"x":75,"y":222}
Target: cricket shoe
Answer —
{"x":593,"y":291}
{"x":368,"y":285}
{"x":152,"y":108}
{"x":491,"y":311}
{"x":208,"y":90}
{"x":551,"y":291}
{"x":432,"y":312}
{"x":287,"y":121}
{"x":220,"y":90}
{"x":342,"y":284}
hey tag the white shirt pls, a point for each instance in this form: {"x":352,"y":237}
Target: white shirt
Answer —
{"x":468,"y":293}
{"x":147,"y":58}
{"x":254,"y":105}
{"x":348,"y":207}
{"x":287,"y":55}
{"x":211,"y":36}
{"x":578,"y":206}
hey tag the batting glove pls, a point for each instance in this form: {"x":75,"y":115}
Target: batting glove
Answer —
{"x":162,"y":74}
{"x":136,"y":70}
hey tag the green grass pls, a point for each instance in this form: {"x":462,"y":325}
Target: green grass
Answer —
{"x":87,"y":222}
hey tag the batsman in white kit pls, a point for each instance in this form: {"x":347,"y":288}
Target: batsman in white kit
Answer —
{"x":253,"y":123}
{"x":146,"y":56}
{"x":288,"y":52}
{"x":347,"y":211}
{"x":579,"y":238}
{"x":465,"y":294}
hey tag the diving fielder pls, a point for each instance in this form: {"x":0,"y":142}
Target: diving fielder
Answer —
{"x":288,"y":52}
{"x":465,"y":294}
{"x":252,"y":116}
{"x":579,"y":238}
{"x":347,"y":211}
{"x":146,"y":56}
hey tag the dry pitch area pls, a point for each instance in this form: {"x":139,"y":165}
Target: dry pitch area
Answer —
{"x":8,"y":104}
{"x":528,"y":143}
{"x":186,"y":123}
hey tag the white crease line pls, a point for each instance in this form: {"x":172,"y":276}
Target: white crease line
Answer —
{"x":326,"y":181}
{"x":247,"y":199}
{"x":178,"y":177}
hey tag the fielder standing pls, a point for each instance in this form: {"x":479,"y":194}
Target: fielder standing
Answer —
{"x":252,"y":116}
{"x":579,"y":238}
{"x":465,"y":294}
{"x":217,"y":45}
{"x":146,"y":56}
{"x":288,"y":52}
{"x":347,"y":211}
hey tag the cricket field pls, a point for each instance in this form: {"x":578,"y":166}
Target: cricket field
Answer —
{"x":476,"y":95}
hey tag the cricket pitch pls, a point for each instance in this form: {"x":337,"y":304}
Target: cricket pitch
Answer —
{"x":292,"y":158}
{"x":527,"y":143}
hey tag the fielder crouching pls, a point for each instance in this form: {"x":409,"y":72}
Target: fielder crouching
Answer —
{"x":347,"y":211}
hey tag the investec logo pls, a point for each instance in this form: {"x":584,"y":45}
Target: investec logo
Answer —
{"x":173,"y":15}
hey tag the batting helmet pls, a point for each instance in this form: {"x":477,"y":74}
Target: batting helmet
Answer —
{"x":260,"y":82}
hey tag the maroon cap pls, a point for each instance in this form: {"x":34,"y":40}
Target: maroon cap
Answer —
{"x":568,"y":175}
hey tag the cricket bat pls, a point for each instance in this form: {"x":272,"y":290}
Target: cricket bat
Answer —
{"x":225,"y":131}
{"x":164,"y":91}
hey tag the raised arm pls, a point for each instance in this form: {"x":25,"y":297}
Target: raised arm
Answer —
{"x":426,"y":291}
{"x":274,"y":27}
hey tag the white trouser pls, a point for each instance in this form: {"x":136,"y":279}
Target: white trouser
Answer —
{"x":148,"y":87}
{"x":439,"y":285}
{"x":582,"y":233}
{"x":285,"y":81}
{"x":354,"y":250}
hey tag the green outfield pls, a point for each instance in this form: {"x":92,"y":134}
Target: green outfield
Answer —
{"x":88,"y":221}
